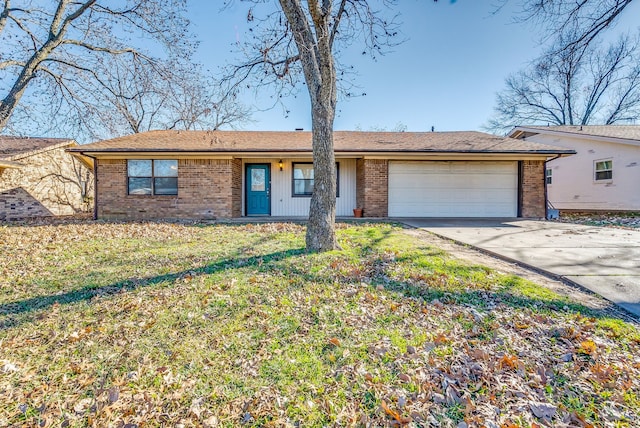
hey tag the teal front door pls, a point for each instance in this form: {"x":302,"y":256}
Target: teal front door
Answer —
{"x":258,"y":189}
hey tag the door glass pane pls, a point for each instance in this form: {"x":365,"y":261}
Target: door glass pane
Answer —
{"x":258,"y":180}
{"x":165,"y":168}
{"x":139,"y":168}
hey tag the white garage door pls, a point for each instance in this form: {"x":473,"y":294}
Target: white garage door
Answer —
{"x":453,"y":189}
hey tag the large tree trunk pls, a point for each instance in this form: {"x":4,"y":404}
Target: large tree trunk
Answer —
{"x":316,"y":57}
{"x":57,"y":30}
{"x":321,"y":234}
{"x":8,"y":104}
{"x":5,"y":113}
{"x":4,"y":14}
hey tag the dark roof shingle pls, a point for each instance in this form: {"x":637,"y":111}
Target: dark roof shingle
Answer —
{"x":344,"y":141}
{"x":11,"y":147}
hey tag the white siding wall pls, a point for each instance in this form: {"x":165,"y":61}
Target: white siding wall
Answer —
{"x":283,"y":204}
{"x":574,"y":186}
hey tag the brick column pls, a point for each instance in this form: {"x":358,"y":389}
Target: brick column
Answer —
{"x":532,"y":189}
{"x":236,"y":188}
{"x":111,"y":186}
{"x":220,"y":183}
{"x":360,"y":183}
{"x":372,"y":184}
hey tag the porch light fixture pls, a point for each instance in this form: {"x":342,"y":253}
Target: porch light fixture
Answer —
{"x":280,"y":164}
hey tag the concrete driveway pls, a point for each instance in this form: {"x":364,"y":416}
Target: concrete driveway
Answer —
{"x":604,"y":260}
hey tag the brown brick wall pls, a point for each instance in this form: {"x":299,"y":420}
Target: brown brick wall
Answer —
{"x":533,"y":182}
{"x":47,"y":184}
{"x":18,"y":203}
{"x":372,"y":184}
{"x":207,"y":189}
{"x":236,"y":191}
{"x":360,"y":183}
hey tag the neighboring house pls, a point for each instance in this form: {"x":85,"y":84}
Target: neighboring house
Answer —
{"x":604,"y":175}
{"x":220,"y":174}
{"x":39,"y":178}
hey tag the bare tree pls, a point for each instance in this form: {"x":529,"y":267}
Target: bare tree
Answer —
{"x":303,"y":40}
{"x":398,"y":127}
{"x":134,"y":99}
{"x":573,"y":85}
{"x":56,"y":48}
{"x":201,"y":102}
{"x":584,"y":19}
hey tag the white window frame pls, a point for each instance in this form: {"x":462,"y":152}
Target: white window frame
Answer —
{"x":548,"y":176}
{"x":596,"y":171}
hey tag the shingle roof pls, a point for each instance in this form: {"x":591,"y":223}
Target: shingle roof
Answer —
{"x":13,"y":147}
{"x":344,"y":141}
{"x":626,"y":132}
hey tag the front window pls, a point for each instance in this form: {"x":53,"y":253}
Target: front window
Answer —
{"x":303,"y":179}
{"x":549,"y":176}
{"x":604,"y":170}
{"x":152,"y":177}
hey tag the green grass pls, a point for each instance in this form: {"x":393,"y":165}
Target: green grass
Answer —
{"x":156,"y":324}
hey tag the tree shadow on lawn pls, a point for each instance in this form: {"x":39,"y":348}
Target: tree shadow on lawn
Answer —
{"x":125,"y":257}
{"x":456,"y":286}
{"x":16,"y":313}
{"x":446,"y":286}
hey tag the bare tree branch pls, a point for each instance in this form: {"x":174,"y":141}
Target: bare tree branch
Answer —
{"x":4,"y":14}
{"x":573,"y":86}
{"x":585,"y":19}
{"x":101,"y":49}
{"x":11,"y":63}
{"x":48,"y":33}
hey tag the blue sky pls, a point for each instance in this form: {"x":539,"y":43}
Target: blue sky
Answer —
{"x":445,"y":75}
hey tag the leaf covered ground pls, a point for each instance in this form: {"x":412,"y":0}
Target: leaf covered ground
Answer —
{"x":625,"y":220}
{"x":164,"y":324}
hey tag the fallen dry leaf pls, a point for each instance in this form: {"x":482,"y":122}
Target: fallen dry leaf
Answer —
{"x":395,"y":415}
{"x":334,"y":341}
{"x":543,"y":410}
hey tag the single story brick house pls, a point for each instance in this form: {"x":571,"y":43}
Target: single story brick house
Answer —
{"x":231,"y":174}
{"x":39,"y":178}
{"x":604,"y":175}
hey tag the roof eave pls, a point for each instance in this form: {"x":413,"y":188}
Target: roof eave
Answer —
{"x":22,"y":155}
{"x":10,"y":164}
{"x":519,"y":130}
{"x":292,"y":152}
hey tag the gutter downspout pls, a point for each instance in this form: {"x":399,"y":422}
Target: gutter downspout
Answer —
{"x":546,"y":196}
{"x":95,"y":185}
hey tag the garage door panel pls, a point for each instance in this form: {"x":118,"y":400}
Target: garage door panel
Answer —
{"x":452,"y":189}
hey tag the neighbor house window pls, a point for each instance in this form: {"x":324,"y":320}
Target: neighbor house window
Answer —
{"x":152,"y":177}
{"x":549,"y":175}
{"x":303,"y":179}
{"x":604,"y":170}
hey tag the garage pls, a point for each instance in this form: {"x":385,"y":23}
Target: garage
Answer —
{"x":453,"y":189}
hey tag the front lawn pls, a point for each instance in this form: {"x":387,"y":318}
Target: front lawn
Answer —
{"x":162,"y":324}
